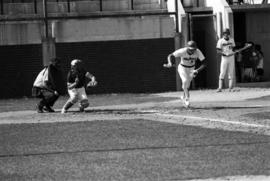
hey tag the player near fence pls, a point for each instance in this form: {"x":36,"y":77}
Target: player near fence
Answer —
{"x":186,"y":68}
{"x":77,"y":79}
{"x":225,"y":46}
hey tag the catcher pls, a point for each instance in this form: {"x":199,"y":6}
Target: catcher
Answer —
{"x":186,"y":67}
{"x":76,"y":80}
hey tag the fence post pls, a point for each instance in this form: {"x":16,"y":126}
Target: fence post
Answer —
{"x":35,"y":6}
{"x":68,"y":4}
{"x":2,"y":7}
{"x":45,"y":16}
{"x":100,"y":5}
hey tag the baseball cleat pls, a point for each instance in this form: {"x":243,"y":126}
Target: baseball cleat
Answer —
{"x":219,"y":90}
{"x":233,"y":90}
{"x":182,"y":99}
{"x":186,"y":103}
{"x":63,"y":111}
{"x":39,"y":109}
{"x":48,"y":109}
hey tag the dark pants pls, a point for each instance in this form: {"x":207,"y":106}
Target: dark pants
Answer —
{"x":48,"y":98}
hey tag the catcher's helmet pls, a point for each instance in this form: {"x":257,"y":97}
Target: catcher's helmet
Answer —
{"x":75,"y":62}
{"x":192,"y":45}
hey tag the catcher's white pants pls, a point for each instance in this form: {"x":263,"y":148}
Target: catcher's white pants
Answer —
{"x":227,"y":63}
{"x":77,"y":94}
{"x":186,"y":75}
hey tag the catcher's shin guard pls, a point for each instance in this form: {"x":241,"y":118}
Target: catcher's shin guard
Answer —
{"x":67,"y":105}
{"x":84,"y":103}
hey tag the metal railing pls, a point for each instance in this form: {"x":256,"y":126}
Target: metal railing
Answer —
{"x":45,"y":17}
{"x":68,"y":4}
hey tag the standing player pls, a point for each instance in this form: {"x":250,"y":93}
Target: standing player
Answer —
{"x":225,"y":46}
{"x":186,"y":67}
{"x":76,"y":81}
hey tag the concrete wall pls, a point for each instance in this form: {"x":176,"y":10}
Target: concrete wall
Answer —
{"x":83,"y":30}
{"x":114,"y":29}
{"x":19,"y":33}
{"x":102,"y":29}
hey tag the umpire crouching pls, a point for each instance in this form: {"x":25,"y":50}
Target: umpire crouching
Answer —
{"x":48,"y":86}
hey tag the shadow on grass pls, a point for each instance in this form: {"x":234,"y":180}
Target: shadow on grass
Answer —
{"x":112,"y":111}
{"x":224,"y":107}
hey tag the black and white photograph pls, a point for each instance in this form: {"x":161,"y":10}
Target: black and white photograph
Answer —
{"x":135,"y":90}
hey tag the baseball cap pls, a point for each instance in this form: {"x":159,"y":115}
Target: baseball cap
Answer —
{"x":55,"y":59}
{"x":226,"y":31}
{"x":192,"y":45}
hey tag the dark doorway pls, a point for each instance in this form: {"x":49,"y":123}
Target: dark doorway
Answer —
{"x":203,"y":31}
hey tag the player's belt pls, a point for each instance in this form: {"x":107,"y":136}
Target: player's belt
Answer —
{"x":187,"y":66}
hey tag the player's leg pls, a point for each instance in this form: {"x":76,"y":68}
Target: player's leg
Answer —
{"x":53,"y":99}
{"x":50,"y":99}
{"x":40,"y":105}
{"x":37,"y":93}
{"x":45,"y":96}
{"x":83,"y":100}
{"x":73,"y":98}
{"x":186,"y":86}
{"x":185,"y":75}
{"x":223,"y":68}
{"x":231,"y":66}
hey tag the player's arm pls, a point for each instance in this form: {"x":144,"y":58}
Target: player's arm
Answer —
{"x":203,"y":65}
{"x":196,"y":71}
{"x":201,"y":57}
{"x":220,"y":52}
{"x":170,"y":61}
{"x":73,"y":85}
{"x":91,"y":77}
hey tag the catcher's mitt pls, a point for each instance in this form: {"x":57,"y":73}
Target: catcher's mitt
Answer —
{"x":91,"y":84}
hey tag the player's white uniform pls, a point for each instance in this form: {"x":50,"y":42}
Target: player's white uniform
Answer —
{"x":187,"y":64}
{"x":226,"y":46}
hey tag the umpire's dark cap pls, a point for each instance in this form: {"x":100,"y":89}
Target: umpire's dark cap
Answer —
{"x":55,"y":59}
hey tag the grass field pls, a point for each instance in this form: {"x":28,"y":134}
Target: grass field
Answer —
{"x":138,"y":137}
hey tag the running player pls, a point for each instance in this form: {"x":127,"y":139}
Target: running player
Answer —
{"x":225,"y":46}
{"x":76,"y":81}
{"x":186,"y":67}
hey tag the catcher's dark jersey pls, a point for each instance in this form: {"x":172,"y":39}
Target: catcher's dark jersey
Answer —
{"x":78,"y":76}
